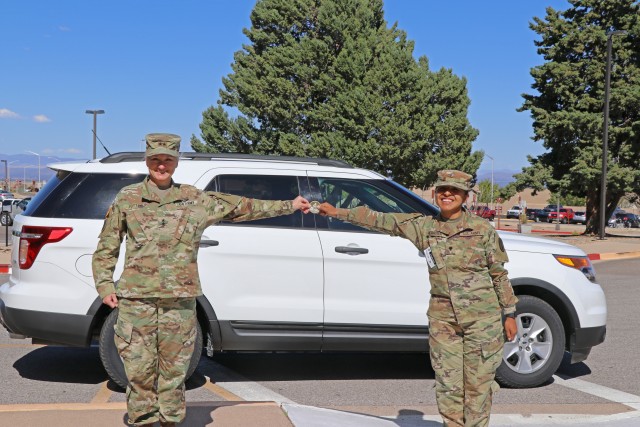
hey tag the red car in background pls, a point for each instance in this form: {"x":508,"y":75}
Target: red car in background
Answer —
{"x":485,"y":212}
{"x":564,"y":215}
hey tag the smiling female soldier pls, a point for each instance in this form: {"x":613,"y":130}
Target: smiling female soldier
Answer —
{"x":470,"y":293}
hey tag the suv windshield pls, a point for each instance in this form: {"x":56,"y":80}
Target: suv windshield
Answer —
{"x":79,"y":195}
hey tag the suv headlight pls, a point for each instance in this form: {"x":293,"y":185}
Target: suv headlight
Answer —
{"x":581,"y":263}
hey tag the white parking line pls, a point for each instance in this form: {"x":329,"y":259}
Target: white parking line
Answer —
{"x":243,"y":387}
{"x":611,"y":394}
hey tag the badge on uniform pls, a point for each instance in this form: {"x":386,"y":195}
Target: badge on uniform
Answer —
{"x":431,"y":261}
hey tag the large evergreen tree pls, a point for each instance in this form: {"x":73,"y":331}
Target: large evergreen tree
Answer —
{"x":330,"y":78}
{"x":568,"y":108}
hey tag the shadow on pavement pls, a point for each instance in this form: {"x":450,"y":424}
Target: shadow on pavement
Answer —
{"x":567,"y":370}
{"x":320,"y":366}
{"x":413,"y":418}
{"x":62,"y":364}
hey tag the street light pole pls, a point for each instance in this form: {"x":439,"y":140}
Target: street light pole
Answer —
{"x":9,"y":175}
{"x":33,"y":152}
{"x":605,"y":134}
{"x":95,"y":122}
{"x":6,"y":174}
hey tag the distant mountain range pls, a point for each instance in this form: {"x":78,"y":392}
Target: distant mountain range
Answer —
{"x":25,"y":166}
{"x":501,"y":177}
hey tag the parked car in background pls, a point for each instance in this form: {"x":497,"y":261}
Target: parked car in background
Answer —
{"x":349,"y":299}
{"x":485,"y":212}
{"x":534,"y":214}
{"x":514,"y":212}
{"x":624,"y":220}
{"x":579,"y":217}
{"x":564,"y":215}
{"x":6,"y":195}
{"x":543,"y":215}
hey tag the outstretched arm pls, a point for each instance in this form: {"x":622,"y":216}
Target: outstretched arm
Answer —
{"x":222,"y":206}
{"x":413,"y":226}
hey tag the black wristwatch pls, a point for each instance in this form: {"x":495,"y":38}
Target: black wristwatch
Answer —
{"x":511,"y":315}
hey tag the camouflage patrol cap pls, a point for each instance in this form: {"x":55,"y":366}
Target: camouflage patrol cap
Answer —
{"x":162,"y":143}
{"x":454,"y":178}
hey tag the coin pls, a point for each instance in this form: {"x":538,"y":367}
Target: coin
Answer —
{"x":315,"y":207}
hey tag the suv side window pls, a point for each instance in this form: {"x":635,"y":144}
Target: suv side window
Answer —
{"x":265,"y":187}
{"x":378,"y":195}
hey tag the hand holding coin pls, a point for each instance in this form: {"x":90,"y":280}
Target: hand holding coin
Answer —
{"x":314,"y":209}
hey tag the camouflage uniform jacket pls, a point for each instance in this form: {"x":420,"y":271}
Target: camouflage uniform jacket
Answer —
{"x":466,"y":260}
{"x":163,"y":237}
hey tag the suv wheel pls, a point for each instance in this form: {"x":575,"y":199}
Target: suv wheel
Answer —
{"x":113,"y":363}
{"x":5,"y":219}
{"x":536,"y":353}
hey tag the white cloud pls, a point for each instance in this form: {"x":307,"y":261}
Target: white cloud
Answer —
{"x":60,"y":151}
{"x":8,"y":114}
{"x":70,"y":151}
{"x":41,"y":118}
{"x":63,"y":28}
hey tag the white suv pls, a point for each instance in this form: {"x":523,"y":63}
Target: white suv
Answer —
{"x":514,"y":212}
{"x":360,"y":290}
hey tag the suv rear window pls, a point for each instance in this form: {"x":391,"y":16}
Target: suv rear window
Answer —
{"x":79,"y":195}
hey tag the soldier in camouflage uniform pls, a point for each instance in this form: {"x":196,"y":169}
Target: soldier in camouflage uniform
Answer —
{"x":156,"y":327}
{"x":470,"y":293}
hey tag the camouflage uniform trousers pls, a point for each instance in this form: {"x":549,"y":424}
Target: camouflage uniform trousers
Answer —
{"x":155,"y":338}
{"x":465,"y":358}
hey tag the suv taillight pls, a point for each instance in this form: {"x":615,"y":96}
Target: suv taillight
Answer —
{"x":33,"y":238}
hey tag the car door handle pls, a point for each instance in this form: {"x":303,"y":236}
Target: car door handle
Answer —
{"x":207,"y":243}
{"x":351,"y":250}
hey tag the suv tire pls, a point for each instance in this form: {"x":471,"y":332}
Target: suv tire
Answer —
{"x":533,"y":314}
{"x":113,"y":363}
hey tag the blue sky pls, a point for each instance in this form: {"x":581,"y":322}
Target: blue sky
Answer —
{"x":155,"y":66}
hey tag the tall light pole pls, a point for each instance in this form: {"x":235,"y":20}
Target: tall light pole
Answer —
{"x":6,"y":174}
{"x":95,"y":122}
{"x":33,"y":152}
{"x":605,"y":134}
{"x":494,"y":206}
{"x":9,"y":175}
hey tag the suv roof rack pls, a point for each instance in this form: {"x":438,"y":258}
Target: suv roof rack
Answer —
{"x":138,"y":156}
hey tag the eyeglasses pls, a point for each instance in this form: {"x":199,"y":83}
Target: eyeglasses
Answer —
{"x":451,"y":190}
